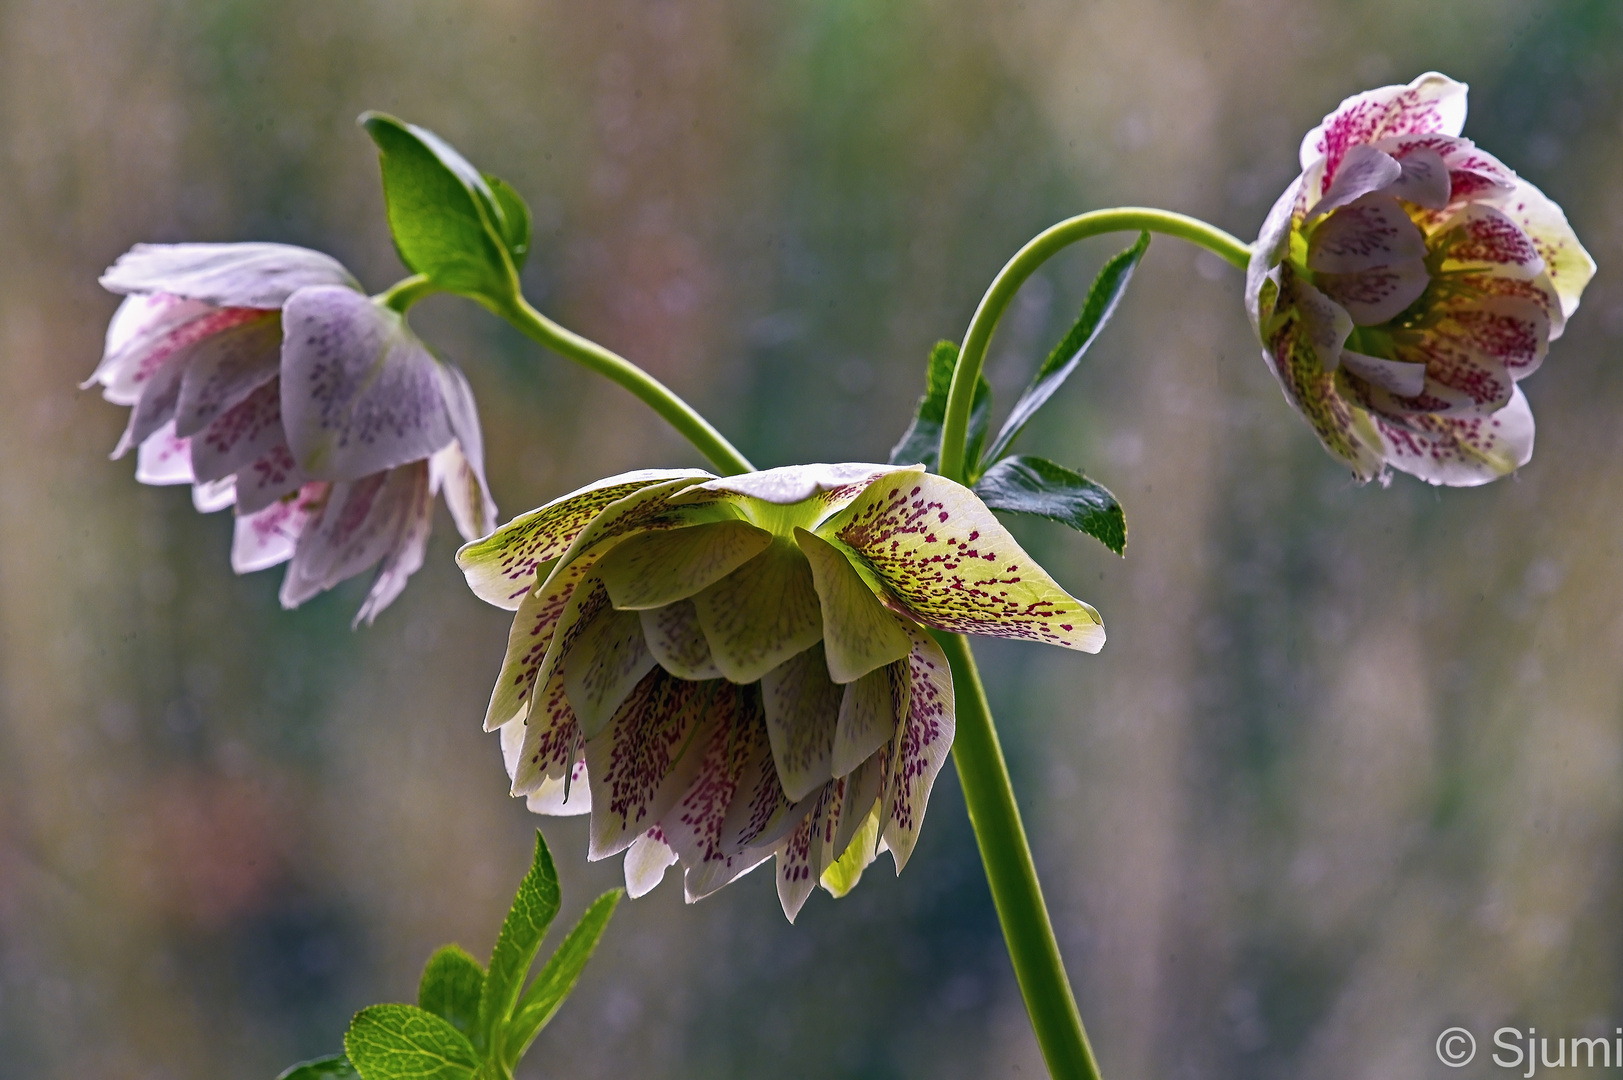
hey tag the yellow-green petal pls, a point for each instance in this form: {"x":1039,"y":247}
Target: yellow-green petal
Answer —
{"x":762,"y":613}
{"x":844,"y":873}
{"x":802,"y":711}
{"x":859,"y":634}
{"x":605,"y":662}
{"x":653,"y":569}
{"x":923,"y":738}
{"x":867,"y":718}
{"x":677,"y":641}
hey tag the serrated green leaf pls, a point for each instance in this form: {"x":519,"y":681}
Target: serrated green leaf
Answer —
{"x":1033,"y":485}
{"x":558,"y":978}
{"x":332,"y":1067}
{"x":446,"y":220}
{"x":922,"y":442}
{"x":532,"y":912}
{"x":404,"y":1042}
{"x":450,"y":987}
{"x":1103,"y":298}
{"x":515,"y":223}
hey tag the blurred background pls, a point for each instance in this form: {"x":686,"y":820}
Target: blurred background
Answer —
{"x":1347,"y":773}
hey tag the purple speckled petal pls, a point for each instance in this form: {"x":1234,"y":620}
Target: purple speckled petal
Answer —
{"x":405,"y":558}
{"x":527,"y":642}
{"x":360,"y":392}
{"x":360,"y":524}
{"x":141,"y":335}
{"x":920,"y":748}
{"x":677,"y":641}
{"x":762,"y":613}
{"x":225,"y":367}
{"x":551,"y":740}
{"x":164,"y":459}
{"x":867,"y":718}
{"x":606,"y":663}
{"x":256,"y":275}
{"x":243,"y":434}
{"x":653,"y":569}
{"x":269,"y":536}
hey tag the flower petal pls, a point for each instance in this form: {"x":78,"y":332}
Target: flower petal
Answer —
{"x":255,"y":275}
{"x":269,"y":536}
{"x":605,"y":664}
{"x":138,"y":340}
{"x":1570,"y":267}
{"x":360,"y":392}
{"x":943,"y":558}
{"x":269,"y":477}
{"x":225,"y":367}
{"x":653,"y":569}
{"x":844,"y":873}
{"x":867,"y":718}
{"x":241,"y":435}
{"x":405,"y":557}
{"x":462,"y":464}
{"x":802,"y":712}
{"x":164,"y":459}
{"x":920,"y":748}
{"x":501,"y":568}
{"x":762,"y":613}
{"x":586,"y":602}
{"x":1325,"y":322}
{"x":551,"y":740}
{"x":864,"y":789}
{"x":645,"y":758}
{"x":836,"y":484}
{"x":212,"y":496}
{"x":1481,"y":237}
{"x":359,"y":525}
{"x":760,"y":812}
{"x":859,"y":634}
{"x":677,"y":641}
{"x":1425,"y":182}
{"x":156,"y":406}
{"x":1398,"y":376}
{"x":1432,"y":103}
{"x":1371,"y":232}
{"x":794,"y":867}
{"x":1270,"y":247}
{"x":1462,"y":451}
{"x":1372,"y":297}
{"x":646,"y":862}
{"x":561,"y":796}
{"x":1364,"y":170}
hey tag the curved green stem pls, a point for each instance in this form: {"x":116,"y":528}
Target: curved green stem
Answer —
{"x":1025,"y":262}
{"x":616,"y":368}
{"x":406,"y":292}
{"x":1012,"y":874}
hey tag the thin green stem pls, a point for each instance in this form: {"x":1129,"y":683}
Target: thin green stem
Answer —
{"x":616,"y":368}
{"x":1025,"y":262}
{"x":1016,"y":892}
{"x":406,"y":292}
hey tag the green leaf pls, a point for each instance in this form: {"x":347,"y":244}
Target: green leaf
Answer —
{"x":451,"y":984}
{"x":446,"y":220}
{"x":922,"y":442}
{"x":403,"y":1042}
{"x":533,"y":909}
{"x":1032,"y":485}
{"x":558,"y":978}
{"x":1100,"y":305}
{"x":332,"y":1067}
{"x":515,"y":223}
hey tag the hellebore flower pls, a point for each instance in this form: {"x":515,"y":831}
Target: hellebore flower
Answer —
{"x":1405,"y":282}
{"x":262,"y":375}
{"x":724,"y":670}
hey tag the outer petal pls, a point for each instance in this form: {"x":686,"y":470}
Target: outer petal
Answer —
{"x":920,"y":748}
{"x":1568,"y":264}
{"x":405,"y":558}
{"x":808,"y":850}
{"x":646,"y":861}
{"x":646,"y":757}
{"x":1371,"y":232}
{"x":1364,"y":170}
{"x":1463,"y":451}
{"x":942,"y":557}
{"x":1481,"y":238}
{"x":156,"y":407}
{"x":527,"y":642}
{"x":762,"y":613}
{"x":654,"y":569}
{"x":859,"y":635}
{"x":835,"y":485}
{"x":677,"y":641}
{"x":1267,"y":251}
{"x":225,"y":367}
{"x":560,"y":796}
{"x":501,"y":568}
{"x":268,"y":537}
{"x":269,"y":477}
{"x":1432,"y":103}
{"x":242,"y":435}
{"x":462,"y":464}
{"x":867,"y":718}
{"x":225,"y":275}
{"x":360,"y":392}
{"x":212,"y":496}
{"x":164,"y":459}
{"x":605,"y":664}
{"x":360,"y":524}
{"x":550,"y":744}
{"x":802,"y":712}
{"x":143,"y":333}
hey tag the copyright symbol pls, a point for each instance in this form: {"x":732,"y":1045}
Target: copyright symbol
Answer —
{"x":1456,"y":1047}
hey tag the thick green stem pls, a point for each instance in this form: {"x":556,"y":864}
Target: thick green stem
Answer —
{"x":1016,"y":892}
{"x":616,"y":368}
{"x":988,"y":793}
{"x":1025,"y":262}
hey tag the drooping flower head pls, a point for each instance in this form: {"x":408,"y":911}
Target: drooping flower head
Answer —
{"x":1405,"y":282}
{"x":724,"y":670}
{"x":263,"y":376}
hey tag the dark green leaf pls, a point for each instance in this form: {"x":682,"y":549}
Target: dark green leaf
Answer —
{"x":403,"y":1042}
{"x":922,"y":443}
{"x":446,"y":220}
{"x":1032,"y":485}
{"x":1103,"y":297}
{"x":334,"y":1067}
{"x":515,"y":223}
{"x":558,"y":978}
{"x":527,"y":921}
{"x":450,"y":988}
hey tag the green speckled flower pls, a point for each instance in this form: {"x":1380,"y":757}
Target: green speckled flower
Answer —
{"x":723,"y":670}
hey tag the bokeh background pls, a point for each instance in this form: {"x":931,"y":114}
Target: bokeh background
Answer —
{"x":1347,"y":773}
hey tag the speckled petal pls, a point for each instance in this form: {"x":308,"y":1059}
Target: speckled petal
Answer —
{"x":559,"y":796}
{"x":1369,"y":233}
{"x":586,"y":602}
{"x":551,"y":740}
{"x":267,"y":478}
{"x":1482,"y":238}
{"x":864,"y":788}
{"x":797,"y":869}
{"x":760,"y":812}
{"x":225,"y":367}
{"x":1570,"y":267}
{"x":359,"y":525}
{"x":944,"y":559}
{"x":859,"y":634}
{"x":527,"y":641}
{"x":1398,"y":376}
{"x":1270,"y":247}
{"x":241,"y":435}
{"x":802,"y":712}
{"x":1463,"y":451}
{"x":762,"y":613}
{"x":920,"y":748}
{"x":1364,"y":170}
{"x":501,"y":568}
{"x":1372,"y":297}
{"x":646,"y":862}
{"x":405,"y":557}
{"x":645,"y":758}
{"x":268,"y":537}
{"x":142,"y":334}
{"x":256,"y":275}
{"x":164,"y":458}
{"x":1425,"y":179}
{"x":867,"y":719}
{"x":677,"y":641}
{"x":1432,"y":103}
{"x":606,"y":662}
{"x":1325,"y":323}
{"x":653,"y":569}
{"x":360,"y":392}
{"x":156,"y":407}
